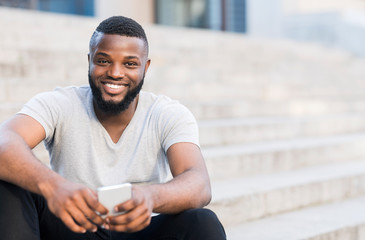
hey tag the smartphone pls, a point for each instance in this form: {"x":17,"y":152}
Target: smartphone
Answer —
{"x":111,"y":196}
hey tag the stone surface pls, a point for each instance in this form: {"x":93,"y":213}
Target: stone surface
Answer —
{"x":337,"y":221}
{"x":240,"y":200}
{"x":233,"y":161}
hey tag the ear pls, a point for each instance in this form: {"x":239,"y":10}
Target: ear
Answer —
{"x":148,"y":62}
{"x":88,"y":58}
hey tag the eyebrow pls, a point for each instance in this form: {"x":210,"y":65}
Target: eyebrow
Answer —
{"x":103,"y":54}
{"x":132,"y":57}
{"x":107,"y":55}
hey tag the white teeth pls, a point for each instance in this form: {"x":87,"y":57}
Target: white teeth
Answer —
{"x":113,"y":86}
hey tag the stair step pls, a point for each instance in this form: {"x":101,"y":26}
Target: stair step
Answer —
{"x":42,"y":63}
{"x":245,"y":130}
{"x":24,"y":28}
{"x":240,"y":160}
{"x":236,"y":108}
{"x":243,"y":199}
{"x":37,"y":66}
{"x":336,"y":221}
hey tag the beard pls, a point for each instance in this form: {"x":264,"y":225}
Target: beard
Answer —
{"x":110,"y":107}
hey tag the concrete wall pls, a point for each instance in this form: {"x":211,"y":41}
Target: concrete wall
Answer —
{"x":264,"y":18}
{"x":315,"y":6}
{"x":140,"y":10}
{"x":344,"y":30}
{"x":331,"y":23}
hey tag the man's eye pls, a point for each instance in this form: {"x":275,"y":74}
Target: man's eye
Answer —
{"x":130,"y":64}
{"x":102,"y":61}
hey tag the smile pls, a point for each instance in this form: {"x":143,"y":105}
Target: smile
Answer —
{"x":114,"y":89}
{"x":114,"y":86}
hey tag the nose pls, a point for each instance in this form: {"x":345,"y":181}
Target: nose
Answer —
{"x":116,"y":72}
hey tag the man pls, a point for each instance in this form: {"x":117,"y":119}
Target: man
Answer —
{"x":105,"y":134}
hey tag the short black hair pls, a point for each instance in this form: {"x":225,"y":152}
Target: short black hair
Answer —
{"x":121,"y":26}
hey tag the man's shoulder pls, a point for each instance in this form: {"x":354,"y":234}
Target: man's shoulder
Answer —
{"x":158,"y":99}
{"x":72,"y":90}
{"x":61,"y":97}
{"x":163,"y":105}
{"x":64,"y":93}
{"x":159,"y":102}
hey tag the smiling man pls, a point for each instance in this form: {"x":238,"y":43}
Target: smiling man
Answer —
{"x":104,"y":134}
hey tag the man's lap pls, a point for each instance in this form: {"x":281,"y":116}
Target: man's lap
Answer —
{"x":26,"y":216}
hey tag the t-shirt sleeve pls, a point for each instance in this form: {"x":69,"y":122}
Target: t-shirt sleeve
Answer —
{"x":177,"y":125}
{"x":46,"y":109}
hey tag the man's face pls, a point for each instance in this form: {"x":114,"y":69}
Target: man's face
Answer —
{"x":117,"y":66}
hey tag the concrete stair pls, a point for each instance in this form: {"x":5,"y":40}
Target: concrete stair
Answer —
{"x":281,"y":123}
{"x":336,"y":221}
{"x":232,"y":161}
{"x":250,"y":198}
{"x":215,"y":132}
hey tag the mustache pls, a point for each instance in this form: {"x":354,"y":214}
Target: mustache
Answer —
{"x":114,"y":79}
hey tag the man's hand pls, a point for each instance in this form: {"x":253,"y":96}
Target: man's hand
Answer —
{"x":76,"y":205}
{"x":139,"y":210}
{"x":189,"y":188}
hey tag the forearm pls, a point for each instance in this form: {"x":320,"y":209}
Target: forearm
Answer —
{"x":20,"y":166}
{"x":190,"y":189}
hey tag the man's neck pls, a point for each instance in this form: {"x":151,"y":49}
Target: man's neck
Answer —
{"x":115,"y":124}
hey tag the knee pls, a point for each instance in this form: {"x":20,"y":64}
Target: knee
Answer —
{"x":17,"y":212}
{"x":201,"y":215}
{"x":12,"y":195}
{"x":8,"y":190}
{"x":204,"y":222}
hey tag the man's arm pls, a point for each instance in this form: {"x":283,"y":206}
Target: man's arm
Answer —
{"x":190,"y":188}
{"x":20,"y":166}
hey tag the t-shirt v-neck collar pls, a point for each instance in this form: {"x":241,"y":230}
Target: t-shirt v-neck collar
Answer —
{"x":105,"y":132}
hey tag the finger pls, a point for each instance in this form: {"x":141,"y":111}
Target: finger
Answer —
{"x":70,"y":223}
{"x":127,"y":205}
{"x":128,"y":217}
{"x":81,"y":219}
{"x":91,"y":198}
{"x":137,"y":224}
{"x":90,"y":214}
{"x":86,"y":206}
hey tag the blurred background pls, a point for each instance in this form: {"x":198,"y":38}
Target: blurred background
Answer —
{"x":277,"y":87}
{"x":335,"y":23}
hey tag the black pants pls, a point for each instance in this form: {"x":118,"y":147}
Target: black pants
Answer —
{"x":25,"y":216}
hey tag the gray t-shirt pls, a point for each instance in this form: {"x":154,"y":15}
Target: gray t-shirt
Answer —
{"x":82,"y":151}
